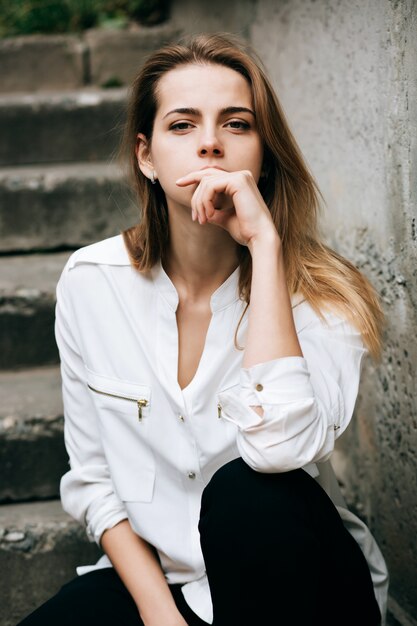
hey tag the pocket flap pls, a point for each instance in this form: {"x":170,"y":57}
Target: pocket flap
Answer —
{"x":116,"y":387}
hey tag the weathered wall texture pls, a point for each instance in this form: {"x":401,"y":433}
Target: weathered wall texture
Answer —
{"x":346,"y":74}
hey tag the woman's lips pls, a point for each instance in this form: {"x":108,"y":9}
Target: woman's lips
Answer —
{"x":217,"y":167}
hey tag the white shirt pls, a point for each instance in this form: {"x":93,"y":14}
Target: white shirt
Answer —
{"x":143,"y":449}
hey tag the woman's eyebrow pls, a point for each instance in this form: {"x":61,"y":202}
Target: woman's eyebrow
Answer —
{"x":197,"y":112}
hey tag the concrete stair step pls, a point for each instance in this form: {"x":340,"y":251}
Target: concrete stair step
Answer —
{"x":27,"y":309}
{"x":48,"y":207}
{"x":98,"y":55}
{"x":32,"y":451}
{"x":59,"y":127}
{"x":40,"y":547}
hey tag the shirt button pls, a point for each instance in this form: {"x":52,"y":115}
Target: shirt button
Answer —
{"x":182,"y":418}
{"x":259,"y":387}
{"x":191,"y":475}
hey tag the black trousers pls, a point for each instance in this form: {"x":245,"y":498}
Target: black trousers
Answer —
{"x":276,"y":554}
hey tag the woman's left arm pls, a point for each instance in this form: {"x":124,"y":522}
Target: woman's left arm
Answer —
{"x":302,"y":388}
{"x":304,"y":397}
{"x":271,"y":329}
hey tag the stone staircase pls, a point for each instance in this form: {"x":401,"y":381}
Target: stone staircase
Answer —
{"x":60,"y":188}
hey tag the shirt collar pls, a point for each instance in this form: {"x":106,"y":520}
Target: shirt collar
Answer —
{"x":226,"y":294}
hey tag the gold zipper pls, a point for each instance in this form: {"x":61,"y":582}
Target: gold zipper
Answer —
{"x":219,"y":410}
{"x":141,"y":402}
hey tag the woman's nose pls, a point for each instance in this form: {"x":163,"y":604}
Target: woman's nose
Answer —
{"x":210,"y":145}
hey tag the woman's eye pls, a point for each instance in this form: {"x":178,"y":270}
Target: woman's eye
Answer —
{"x":180,"y":126}
{"x":238,"y":124}
{"x":234,"y":124}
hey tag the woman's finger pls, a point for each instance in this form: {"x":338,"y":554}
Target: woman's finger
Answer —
{"x":206,"y":197}
{"x":211,"y":193}
{"x":194,"y":205}
{"x":218,"y":195}
{"x":198,"y":202}
{"x":210,"y":209}
{"x":198,"y":175}
{"x":192,"y":177}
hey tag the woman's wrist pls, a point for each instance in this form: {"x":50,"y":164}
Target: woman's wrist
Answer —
{"x":162,"y":616}
{"x":159,"y":609}
{"x":265,"y":241}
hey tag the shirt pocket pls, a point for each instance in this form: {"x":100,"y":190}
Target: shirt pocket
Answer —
{"x":230,"y":386}
{"x":123,"y":409}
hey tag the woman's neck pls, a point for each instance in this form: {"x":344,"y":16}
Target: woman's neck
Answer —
{"x":199,"y":258}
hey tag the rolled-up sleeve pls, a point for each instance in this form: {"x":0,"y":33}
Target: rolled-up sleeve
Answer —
{"x":307,"y":401}
{"x":86,"y":489}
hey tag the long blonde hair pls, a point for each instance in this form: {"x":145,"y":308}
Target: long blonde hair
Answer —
{"x":326,"y":279}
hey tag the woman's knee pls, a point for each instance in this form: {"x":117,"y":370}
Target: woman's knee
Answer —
{"x":236,"y":476}
{"x":238,"y":494}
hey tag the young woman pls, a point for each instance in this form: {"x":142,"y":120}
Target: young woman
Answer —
{"x":210,"y":358}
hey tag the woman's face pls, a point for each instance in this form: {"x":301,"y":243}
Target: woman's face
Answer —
{"x":205,"y":118}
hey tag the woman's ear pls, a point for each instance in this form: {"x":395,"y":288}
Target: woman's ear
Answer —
{"x":143,"y":155}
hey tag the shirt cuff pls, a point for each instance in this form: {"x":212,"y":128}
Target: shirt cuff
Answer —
{"x":106,"y":516}
{"x":277,"y":381}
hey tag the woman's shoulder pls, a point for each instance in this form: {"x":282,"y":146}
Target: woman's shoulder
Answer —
{"x":111,"y":251}
{"x":306,"y":316}
{"x":86,"y":269}
{"x":330,"y":323}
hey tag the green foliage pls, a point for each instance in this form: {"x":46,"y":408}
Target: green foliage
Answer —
{"x":112,"y":82}
{"x":22,"y":17}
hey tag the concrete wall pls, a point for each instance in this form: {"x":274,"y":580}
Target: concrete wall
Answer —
{"x":346,"y":74}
